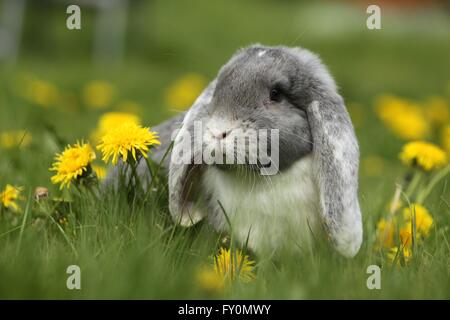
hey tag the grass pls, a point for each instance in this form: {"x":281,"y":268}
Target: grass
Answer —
{"x":131,"y":250}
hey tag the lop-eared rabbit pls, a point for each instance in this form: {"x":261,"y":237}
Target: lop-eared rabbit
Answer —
{"x":314,"y":189}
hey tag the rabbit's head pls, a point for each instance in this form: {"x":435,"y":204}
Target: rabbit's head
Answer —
{"x":288,"y":90}
{"x":257,"y":91}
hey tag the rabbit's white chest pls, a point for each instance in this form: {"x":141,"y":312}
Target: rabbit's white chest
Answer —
{"x":273,"y":212}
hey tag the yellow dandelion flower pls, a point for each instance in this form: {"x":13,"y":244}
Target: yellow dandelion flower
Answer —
{"x":424,"y":155}
{"x":386,"y":232}
{"x":72,"y":163}
{"x":403,"y":255}
{"x":42,"y":93}
{"x":98,"y":94}
{"x":184,"y":91}
{"x":99,"y":171}
{"x":437,"y":110}
{"x":445,"y":137}
{"x":405,"y":119}
{"x":13,"y":139}
{"x":423,"y":219}
{"x":125,"y":140}
{"x":405,"y":234}
{"x":209,"y":280}
{"x":9,"y":196}
{"x":231,"y":264}
{"x":112,"y":120}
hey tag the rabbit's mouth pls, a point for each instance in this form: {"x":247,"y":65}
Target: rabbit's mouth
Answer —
{"x":240,"y":160}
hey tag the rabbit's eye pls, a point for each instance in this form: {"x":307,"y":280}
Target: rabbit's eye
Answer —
{"x":275,"y":95}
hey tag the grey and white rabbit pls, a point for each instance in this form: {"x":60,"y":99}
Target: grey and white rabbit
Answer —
{"x":315,"y":189}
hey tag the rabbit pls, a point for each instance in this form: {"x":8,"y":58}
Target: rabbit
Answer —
{"x":316,"y":185}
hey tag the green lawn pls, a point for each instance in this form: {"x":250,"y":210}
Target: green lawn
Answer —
{"x":132,"y":250}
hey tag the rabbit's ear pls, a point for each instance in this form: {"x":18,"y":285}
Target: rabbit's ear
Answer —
{"x":184,"y":170}
{"x":336,"y":157}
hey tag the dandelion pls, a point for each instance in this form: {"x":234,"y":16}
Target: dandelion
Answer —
{"x":423,"y":219}
{"x":99,"y":171}
{"x":184,"y":91}
{"x":127,"y":140}
{"x":406,"y":119}
{"x":209,"y":280}
{"x":9,"y":197}
{"x":405,"y":234}
{"x":404,"y":255}
{"x":231,"y":264}
{"x":13,"y":139}
{"x":72,"y":164}
{"x":386,"y":232}
{"x":112,"y":120}
{"x":98,"y":94}
{"x":423,"y":155}
{"x":387,"y":229}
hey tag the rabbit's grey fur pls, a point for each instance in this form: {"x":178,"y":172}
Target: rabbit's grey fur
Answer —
{"x":318,"y":178}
